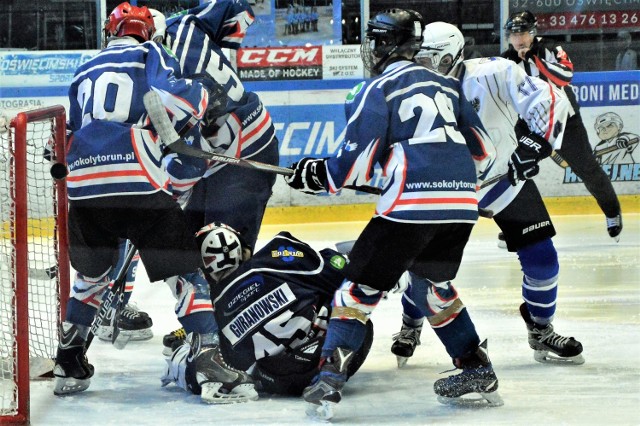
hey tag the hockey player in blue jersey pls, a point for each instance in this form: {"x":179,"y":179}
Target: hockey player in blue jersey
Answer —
{"x":119,"y":189}
{"x":243,"y":128}
{"x":502,"y":92}
{"x":240,"y":127}
{"x":418,"y":127}
{"x":272,"y":309}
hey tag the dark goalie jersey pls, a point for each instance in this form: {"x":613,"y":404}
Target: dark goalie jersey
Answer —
{"x":271,"y":303}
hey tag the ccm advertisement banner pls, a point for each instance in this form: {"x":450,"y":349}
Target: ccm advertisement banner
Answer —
{"x":309,"y":113}
{"x":300,"y":63}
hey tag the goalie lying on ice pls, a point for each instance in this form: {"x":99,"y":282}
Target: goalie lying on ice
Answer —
{"x":272,"y":312}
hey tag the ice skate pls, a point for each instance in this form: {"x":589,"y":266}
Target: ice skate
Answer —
{"x":501,"y":241}
{"x":72,"y":370}
{"x":133,"y":324}
{"x":220,"y":383}
{"x":405,"y":343}
{"x":550,"y":347}
{"x":173,"y":340}
{"x":477,"y":377}
{"x":614,"y":227}
{"x":326,"y":389}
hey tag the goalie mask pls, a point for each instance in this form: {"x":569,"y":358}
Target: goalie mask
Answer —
{"x":442,"y":47}
{"x":132,"y":21}
{"x":221,"y":250}
{"x":392,"y":33}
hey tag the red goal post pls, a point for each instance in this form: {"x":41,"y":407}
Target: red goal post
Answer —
{"x":34,"y":259}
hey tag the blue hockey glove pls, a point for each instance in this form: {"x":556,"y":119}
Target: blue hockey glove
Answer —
{"x":524,"y":161}
{"x":309,"y":175}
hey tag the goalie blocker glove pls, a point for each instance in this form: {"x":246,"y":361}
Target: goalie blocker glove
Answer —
{"x":523,"y":164}
{"x":309,"y":175}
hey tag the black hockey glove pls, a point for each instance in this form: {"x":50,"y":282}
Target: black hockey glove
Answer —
{"x":218,"y":99}
{"x":309,"y":175}
{"x":524,"y":161}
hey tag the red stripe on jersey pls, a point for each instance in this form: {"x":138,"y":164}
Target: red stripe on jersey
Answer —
{"x":115,"y":173}
{"x":258,"y":129}
{"x":552,"y":113}
{"x":544,"y":70}
{"x":438,"y":201}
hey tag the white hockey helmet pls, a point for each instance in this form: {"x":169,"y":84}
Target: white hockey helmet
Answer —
{"x":442,"y":47}
{"x":221,"y":249}
{"x":603,"y":120}
{"x":160,"y":23}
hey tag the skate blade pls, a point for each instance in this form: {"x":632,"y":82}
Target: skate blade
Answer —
{"x":241,"y":393}
{"x":323,"y":412}
{"x":546,"y":357}
{"x":474,"y":400}
{"x":68,"y":385}
{"x":402,"y":360}
{"x":104,"y":334}
{"x":121,"y":341}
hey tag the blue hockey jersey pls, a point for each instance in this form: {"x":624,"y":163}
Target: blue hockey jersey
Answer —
{"x":418,"y":127}
{"x":112,"y":150}
{"x":197,"y":37}
{"x":273,"y":300}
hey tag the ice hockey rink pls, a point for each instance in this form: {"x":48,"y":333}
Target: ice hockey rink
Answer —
{"x":599,"y":304}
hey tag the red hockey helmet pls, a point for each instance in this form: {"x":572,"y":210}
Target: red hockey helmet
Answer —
{"x":133,"y":21}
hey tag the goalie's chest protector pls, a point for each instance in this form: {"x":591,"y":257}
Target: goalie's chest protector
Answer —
{"x":272,"y":300}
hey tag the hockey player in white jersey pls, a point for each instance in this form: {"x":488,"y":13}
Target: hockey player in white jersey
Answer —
{"x":550,"y":62}
{"x":501,"y":92}
{"x":419,"y":128}
{"x":118,"y":189}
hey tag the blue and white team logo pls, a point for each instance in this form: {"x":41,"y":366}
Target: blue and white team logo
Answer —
{"x":350,"y":146}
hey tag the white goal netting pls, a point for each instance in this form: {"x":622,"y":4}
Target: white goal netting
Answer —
{"x":39,"y":284}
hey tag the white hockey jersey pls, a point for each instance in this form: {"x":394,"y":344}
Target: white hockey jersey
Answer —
{"x":500,"y":92}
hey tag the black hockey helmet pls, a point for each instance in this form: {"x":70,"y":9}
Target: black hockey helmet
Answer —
{"x":392,"y":32}
{"x":521,"y":22}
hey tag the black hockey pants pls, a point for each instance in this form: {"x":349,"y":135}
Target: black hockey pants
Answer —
{"x":578,"y":153}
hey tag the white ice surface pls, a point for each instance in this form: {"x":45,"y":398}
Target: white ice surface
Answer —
{"x":599,"y":304}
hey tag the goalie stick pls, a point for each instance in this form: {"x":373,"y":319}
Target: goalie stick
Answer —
{"x":112,"y":301}
{"x":160,"y":120}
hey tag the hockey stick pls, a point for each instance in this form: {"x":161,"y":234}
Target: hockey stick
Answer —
{"x":160,"y":120}
{"x":603,"y":151}
{"x":112,"y":302}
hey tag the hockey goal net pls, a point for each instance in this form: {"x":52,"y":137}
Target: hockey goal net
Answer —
{"x":34,"y":263}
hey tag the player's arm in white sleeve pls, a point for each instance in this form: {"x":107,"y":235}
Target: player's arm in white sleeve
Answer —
{"x":541,"y":105}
